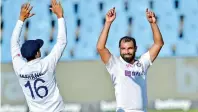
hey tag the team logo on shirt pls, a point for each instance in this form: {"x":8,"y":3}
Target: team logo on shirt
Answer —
{"x":127,"y":73}
{"x":128,"y":65}
{"x":132,"y":73}
{"x":17,"y":55}
{"x":138,"y":64}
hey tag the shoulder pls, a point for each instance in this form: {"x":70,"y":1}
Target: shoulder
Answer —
{"x":113,"y":60}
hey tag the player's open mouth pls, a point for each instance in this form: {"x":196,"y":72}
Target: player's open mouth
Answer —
{"x":128,"y":55}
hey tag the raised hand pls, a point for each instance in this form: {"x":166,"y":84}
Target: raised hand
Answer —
{"x":111,"y":15}
{"x":57,"y":8}
{"x":25,"y":12}
{"x":150,"y":16}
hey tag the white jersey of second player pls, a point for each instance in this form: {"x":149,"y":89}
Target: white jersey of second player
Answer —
{"x":130,"y":82}
{"x":37,"y":77}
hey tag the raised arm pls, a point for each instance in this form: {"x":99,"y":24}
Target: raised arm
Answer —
{"x":15,"y":39}
{"x":101,"y":48}
{"x":157,"y":37}
{"x":60,"y":45}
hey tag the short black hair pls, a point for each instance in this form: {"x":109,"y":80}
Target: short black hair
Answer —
{"x":31,"y":58}
{"x":127,"y":39}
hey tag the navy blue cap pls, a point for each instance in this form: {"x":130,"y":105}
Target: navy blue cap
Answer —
{"x":31,"y":47}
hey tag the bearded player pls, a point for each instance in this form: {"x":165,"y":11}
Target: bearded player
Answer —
{"x":127,"y":73}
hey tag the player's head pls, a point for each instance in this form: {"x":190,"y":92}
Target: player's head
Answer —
{"x":128,"y":48}
{"x":31,"y":49}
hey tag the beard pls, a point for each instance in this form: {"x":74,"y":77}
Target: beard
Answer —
{"x":128,"y":59}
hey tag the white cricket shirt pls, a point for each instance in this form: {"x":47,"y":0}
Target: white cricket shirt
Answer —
{"x":37,"y":77}
{"x":129,"y":81}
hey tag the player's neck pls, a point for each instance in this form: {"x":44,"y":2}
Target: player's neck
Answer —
{"x":133,"y":61}
{"x":31,"y":59}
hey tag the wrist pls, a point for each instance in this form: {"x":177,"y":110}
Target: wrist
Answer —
{"x":22,"y":18}
{"x":59,"y":16}
{"x":108,"y":22}
{"x":153,"y":23}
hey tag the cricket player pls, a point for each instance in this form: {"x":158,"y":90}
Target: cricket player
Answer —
{"x":127,"y":73}
{"x":37,"y":76}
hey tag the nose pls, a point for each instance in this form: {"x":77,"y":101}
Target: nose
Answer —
{"x":127,"y":51}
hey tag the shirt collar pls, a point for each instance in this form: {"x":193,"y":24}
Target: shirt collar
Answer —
{"x":126,"y":63}
{"x":34,"y":61}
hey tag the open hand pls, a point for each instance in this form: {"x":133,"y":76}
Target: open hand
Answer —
{"x":25,"y":12}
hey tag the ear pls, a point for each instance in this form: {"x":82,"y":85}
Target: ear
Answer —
{"x":37,"y":54}
{"x":136,"y":48}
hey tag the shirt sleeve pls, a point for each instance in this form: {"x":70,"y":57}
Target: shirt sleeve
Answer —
{"x":17,"y":58}
{"x":146,"y":60}
{"x":60,"y":45}
{"x":110,"y":65}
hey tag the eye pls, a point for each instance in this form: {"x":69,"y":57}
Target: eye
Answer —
{"x":122,"y":48}
{"x":130,"y":48}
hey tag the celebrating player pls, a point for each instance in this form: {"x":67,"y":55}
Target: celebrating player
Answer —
{"x":37,"y":76}
{"x":127,"y":73}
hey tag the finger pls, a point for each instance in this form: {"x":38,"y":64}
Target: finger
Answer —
{"x":25,"y":5}
{"x":59,"y":3}
{"x":153,"y":14}
{"x":51,"y":9}
{"x":22,"y":6}
{"x":28,"y":5}
{"x":112,"y":11}
{"x":30,"y":9}
{"x":53,"y":3}
{"x":108,"y":14}
{"x":147,"y":10}
{"x":109,"y":10}
{"x":149,"y":13}
{"x":31,"y":14}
